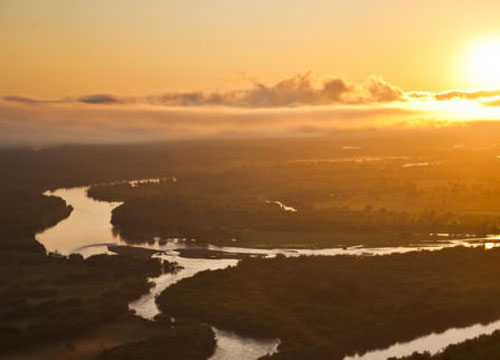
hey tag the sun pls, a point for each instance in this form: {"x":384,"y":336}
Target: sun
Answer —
{"x":483,"y":63}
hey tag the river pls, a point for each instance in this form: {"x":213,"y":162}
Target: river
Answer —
{"x":88,"y":231}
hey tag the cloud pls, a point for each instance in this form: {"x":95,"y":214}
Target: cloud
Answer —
{"x":24,"y":99}
{"x":296,"y":91}
{"x":333,"y":89}
{"x":87,"y":99}
{"x":179,"y":99}
{"x":493,"y":101}
{"x":382,"y":91}
{"x":297,"y":106}
{"x":24,"y":124}
{"x":98,"y":99}
{"x":468,"y":95}
{"x":299,"y":90}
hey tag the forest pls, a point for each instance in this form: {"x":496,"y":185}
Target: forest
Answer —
{"x":249,"y":180}
{"x":58,"y":307}
{"x":485,"y":347}
{"x":329,"y":307}
{"x":359,"y":197}
{"x":322,"y":192}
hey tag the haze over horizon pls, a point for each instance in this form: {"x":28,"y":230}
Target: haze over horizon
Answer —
{"x":249,"y":180}
{"x":121,"y":71}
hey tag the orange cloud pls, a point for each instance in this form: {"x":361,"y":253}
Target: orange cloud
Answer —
{"x":468,"y":95}
{"x":491,"y":101}
{"x":298,"y":90}
{"x":296,"y":106}
{"x":25,"y":124}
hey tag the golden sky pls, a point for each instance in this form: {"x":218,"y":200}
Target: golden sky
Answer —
{"x":141,"y":70}
{"x":57,"y":48}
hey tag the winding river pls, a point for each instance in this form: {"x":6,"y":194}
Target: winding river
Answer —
{"x":88,"y":231}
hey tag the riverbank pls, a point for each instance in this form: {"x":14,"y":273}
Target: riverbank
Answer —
{"x":55,"y":302}
{"x":485,"y":347}
{"x":329,"y":307}
{"x":197,"y":259}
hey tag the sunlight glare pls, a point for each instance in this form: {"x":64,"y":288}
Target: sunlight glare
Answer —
{"x":483,"y":63}
{"x":491,"y":245}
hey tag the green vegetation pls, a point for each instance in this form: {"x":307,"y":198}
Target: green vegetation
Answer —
{"x":367,"y":194}
{"x":22,"y":214}
{"x":66,"y":307}
{"x":187,"y":341}
{"x":326,"y":307}
{"x":486,"y":347}
{"x":370,"y":192}
{"x":371,"y":200}
{"x":46,"y":299}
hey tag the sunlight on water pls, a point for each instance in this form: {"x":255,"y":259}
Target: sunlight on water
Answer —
{"x":420,"y":164}
{"x":230,"y":346}
{"x":146,"y":306}
{"x":432,"y":343}
{"x":281,"y":205}
{"x":89,"y":223}
{"x":491,"y":245}
{"x":88,"y":231}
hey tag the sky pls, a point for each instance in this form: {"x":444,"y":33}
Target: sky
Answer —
{"x":53,"y":48}
{"x":158,"y":56}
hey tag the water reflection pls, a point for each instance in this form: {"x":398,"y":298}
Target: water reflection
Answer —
{"x":146,"y":306}
{"x":491,"y":245}
{"x":229,"y":346}
{"x":88,"y":231}
{"x":88,"y":224}
{"x":432,"y":343}
{"x":281,"y":205}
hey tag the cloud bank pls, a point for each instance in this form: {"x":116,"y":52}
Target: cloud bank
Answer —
{"x":299,"y":90}
{"x":296,"y":91}
{"x":468,"y":95}
{"x":22,"y":124}
{"x":297,"y":106}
